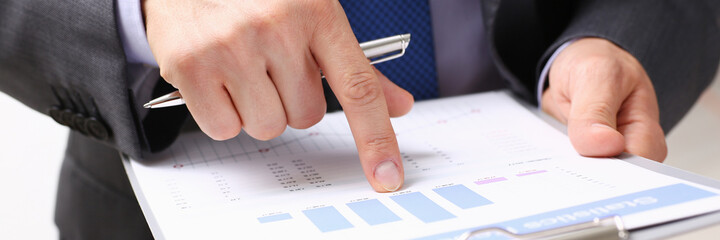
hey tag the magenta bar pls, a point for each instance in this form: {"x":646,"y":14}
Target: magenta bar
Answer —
{"x":492,"y":180}
{"x":530,"y":173}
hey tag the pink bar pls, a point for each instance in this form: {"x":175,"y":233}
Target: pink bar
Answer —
{"x":530,"y":173}
{"x":492,"y":180}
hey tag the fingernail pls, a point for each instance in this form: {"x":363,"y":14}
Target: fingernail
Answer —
{"x":388,"y":175}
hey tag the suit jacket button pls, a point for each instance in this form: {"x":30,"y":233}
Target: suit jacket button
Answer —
{"x":97,"y":129}
{"x":80,"y":123}
{"x":66,"y":118}
{"x":56,"y":114}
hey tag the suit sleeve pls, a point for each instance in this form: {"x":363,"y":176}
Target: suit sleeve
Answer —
{"x":677,"y":42}
{"x":65,"y":59}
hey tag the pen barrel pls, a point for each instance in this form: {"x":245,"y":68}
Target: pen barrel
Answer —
{"x":388,"y":48}
{"x":384,"y":46}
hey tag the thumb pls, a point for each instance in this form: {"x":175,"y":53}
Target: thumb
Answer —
{"x":592,"y":121}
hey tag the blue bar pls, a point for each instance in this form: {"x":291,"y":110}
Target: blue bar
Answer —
{"x":422,"y":207}
{"x":618,"y":206}
{"x":373,"y":212}
{"x":462,"y":196}
{"x":327,"y":219}
{"x":275,"y":218}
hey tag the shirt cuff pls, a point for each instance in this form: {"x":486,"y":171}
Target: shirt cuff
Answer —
{"x":546,"y":71}
{"x":132,"y":33}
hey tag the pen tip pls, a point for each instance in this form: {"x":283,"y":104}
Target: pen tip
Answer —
{"x":147,"y":105}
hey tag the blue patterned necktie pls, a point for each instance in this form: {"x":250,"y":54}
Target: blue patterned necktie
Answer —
{"x":373,"y":19}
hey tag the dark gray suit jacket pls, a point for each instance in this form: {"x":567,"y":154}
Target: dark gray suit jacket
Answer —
{"x":65,"y":59}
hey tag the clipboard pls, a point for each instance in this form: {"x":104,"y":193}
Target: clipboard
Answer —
{"x":612,"y":227}
{"x":652,"y":232}
{"x":606,"y":228}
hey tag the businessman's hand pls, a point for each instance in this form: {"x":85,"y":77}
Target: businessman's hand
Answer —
{"x":255,"y":65}
{"x":606,"y":99}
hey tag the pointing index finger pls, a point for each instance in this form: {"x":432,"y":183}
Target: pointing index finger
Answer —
{"x":360,"y":93}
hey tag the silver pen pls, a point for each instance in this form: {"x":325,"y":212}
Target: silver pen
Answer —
{"x":377,"y":51}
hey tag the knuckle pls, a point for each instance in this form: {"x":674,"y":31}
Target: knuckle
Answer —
{"x":267,"y":134}
{"x":196,"y":64}
{"x":599,"y":65}
{"x":226,"y":133}
{"x":222,"y":130}
{"x":185,"y":63}
{"x":360,"y":88}
{"x":307,"y":119}
{"x":380,"y":142}
{"x":221,"y":41}
{"x":266,"y":128}
{"x":598,"y":111}
{"x":324,"y":13}
{"x":263,"y":21}
{"x":177,"y":63}
{"x":265,"y":27}
{"x":320,"y":7}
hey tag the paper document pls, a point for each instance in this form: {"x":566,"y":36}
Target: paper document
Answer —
{"x":473,"y":161}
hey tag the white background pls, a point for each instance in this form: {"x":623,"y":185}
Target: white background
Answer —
{"x":32,"y":146}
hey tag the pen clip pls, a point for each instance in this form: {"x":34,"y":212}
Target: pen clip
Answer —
{"x":599,"y":228}
{"x":404,"y":43}
{"x":388,"y":58}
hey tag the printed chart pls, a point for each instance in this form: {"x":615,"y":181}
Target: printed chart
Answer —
{"x":473,"y":161}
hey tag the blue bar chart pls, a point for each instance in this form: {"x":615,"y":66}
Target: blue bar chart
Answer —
{"x":422,"y":207}
{"x":462,"y":196}
{"x":327,"y":219}
{"x":373,"y":212}
{"x":274,"y":218}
